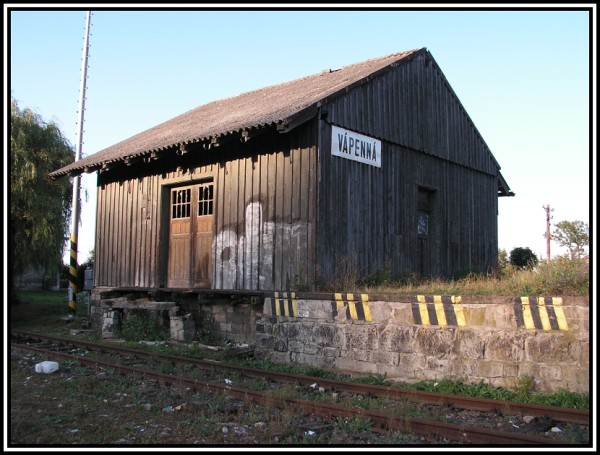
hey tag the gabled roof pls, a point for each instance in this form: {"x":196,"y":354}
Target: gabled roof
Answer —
{"x":284,"y":105}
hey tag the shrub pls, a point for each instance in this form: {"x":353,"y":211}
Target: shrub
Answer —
{"x":136,"y":327}
{"x":523,"y":258}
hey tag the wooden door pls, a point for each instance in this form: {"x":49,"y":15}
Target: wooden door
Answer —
{"x":203,"y":236}
{"x":190,"y":236}
{"x":425,"y":202}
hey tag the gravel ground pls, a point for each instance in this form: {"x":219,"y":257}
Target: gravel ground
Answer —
{"x":79,"y":406}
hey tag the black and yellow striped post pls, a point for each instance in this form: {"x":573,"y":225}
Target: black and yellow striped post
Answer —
{"x":72,"y":303}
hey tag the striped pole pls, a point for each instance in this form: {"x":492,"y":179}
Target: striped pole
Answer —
{"x":72,"y":301}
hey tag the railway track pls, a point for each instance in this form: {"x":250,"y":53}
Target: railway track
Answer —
{"x":215,"y":381}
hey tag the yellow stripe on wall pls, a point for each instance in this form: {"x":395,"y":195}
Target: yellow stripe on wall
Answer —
{"x":366,"y":309}
{"x":439,"y":310}
{"x":277,"y":312}
{"x":527,"y":317}
{"x":352,"y":306}
{"x":423,"y":310}
{"x":544,"y":319}
{"x":560,"y":314}
{"x":458,"y":310}
{"x":294,"y":304}
{"x":286,"y":310}
{"x":339,"y":301}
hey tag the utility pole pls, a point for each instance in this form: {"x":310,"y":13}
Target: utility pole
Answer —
{"x":548,"y":218}
{"x":72,"y":302}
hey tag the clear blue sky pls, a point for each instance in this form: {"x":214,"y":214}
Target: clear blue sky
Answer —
{"x":522,"y":76}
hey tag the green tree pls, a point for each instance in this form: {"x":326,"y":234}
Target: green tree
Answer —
{"x":523,"y":258}
{"x":572,"y":234}
{"x":502,"y":259}
{"x":40,"y":208}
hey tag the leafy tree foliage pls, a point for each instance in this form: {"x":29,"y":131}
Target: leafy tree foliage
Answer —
{"x":523,"y":258}
{"x":40,"y":208}
{"x":502,"y":259}
{"x":574,"y":235}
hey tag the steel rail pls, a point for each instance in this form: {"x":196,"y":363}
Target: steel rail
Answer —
{"x":429,"y":429}
{"x":567,"y":415}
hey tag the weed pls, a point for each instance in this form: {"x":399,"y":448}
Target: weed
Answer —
{"x":166,"y":368}
{"x":353,"y":425}
{"x":374,"y":380}
{"x":524,"y":387}
{"x":136,"y":327}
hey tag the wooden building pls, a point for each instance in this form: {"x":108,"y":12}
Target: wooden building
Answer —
{"x":376,"y":165}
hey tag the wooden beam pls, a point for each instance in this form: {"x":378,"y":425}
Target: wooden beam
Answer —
{"x":301,"y":117}
{"x":248,"y":134}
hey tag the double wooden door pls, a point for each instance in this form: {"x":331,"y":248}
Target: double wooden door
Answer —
{"x":191,"y":236}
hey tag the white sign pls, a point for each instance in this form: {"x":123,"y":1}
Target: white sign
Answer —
{"x":354,"y":146}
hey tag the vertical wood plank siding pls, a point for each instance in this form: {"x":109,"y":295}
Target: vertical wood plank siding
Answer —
{"x":264,"y":214}
{"x":428,"y":140}
{"x":126,"y":232}
{"x":287,"y":212}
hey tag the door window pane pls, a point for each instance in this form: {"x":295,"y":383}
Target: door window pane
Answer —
{"x":181,"y":203}
{"x":205,"y":199}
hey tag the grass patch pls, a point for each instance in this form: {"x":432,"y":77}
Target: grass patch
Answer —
{"x":43,"y":311}
{"x":559,"y":277}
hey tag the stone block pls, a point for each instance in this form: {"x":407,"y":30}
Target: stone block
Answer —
{"x":490,"y":369}
{"x":382,"y":357}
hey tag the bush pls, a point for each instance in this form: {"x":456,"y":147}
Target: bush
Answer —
{"x":523,"y":258}
{"x":138,"y":327}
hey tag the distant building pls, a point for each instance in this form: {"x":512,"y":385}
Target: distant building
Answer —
{"x":374,"y":165}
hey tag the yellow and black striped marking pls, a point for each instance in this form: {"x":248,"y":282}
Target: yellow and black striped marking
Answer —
{"x":284,"y":304}
{"x":72,"y":303}
{"x":357,"y":306}
{"x":442,"y":310}
{"x":542,"y":313}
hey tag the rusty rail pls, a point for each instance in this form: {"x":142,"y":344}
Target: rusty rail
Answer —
{"x":567,"y":415}
{"x":429,"y":429}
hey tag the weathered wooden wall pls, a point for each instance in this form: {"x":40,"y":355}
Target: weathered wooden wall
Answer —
{"x":368,"y":215}
{"x":264,"y":214}
{"x":265,"y":210}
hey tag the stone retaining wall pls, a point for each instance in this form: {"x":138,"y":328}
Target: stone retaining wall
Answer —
{"x":500,"y":341}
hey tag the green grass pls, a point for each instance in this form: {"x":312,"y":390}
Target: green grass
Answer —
{"x":42,"y":311}
{"x":560,"y":277}
{"x":523,"y":393}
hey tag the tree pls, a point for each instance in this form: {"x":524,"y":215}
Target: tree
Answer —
{"x":572,"y":234}
{"x":502,"y":259}
{"x":523,"y":258}
{"x":40,"y":208}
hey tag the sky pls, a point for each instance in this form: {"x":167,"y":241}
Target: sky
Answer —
{"x":524,"y":76}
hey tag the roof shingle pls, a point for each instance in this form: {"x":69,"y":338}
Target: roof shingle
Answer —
{"x":276,"y":104}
